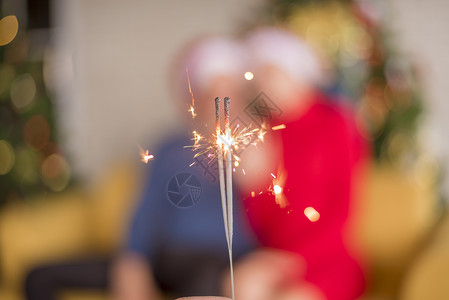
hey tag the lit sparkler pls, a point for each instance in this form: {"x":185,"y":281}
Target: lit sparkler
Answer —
{"x":225,"y":142}
{"x":223,"y":146}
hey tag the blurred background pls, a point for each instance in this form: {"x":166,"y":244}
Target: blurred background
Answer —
{"x":83,"y":83}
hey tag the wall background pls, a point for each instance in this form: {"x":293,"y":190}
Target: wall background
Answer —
{"x":421,"y":32}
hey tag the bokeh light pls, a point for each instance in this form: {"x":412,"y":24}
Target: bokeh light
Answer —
{"x":249,"y":75}
{"x":55,"y":172}
{"x":23,"y":90}
{"x":9,"y":26}
{"x":7,"y":74}
{"x":36,"y":132}
{"x":7,"y":157}
{"x":26,"y":162}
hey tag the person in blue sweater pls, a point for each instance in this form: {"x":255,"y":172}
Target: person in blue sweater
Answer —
{"x":176,"y":241}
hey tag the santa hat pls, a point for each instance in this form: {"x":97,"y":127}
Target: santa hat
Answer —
{"x":287,"y":51}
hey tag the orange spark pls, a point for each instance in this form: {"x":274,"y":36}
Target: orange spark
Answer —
{"x":192,"y":107}
{"x":278,"y":127}
{"x":277,"y":189}
{"x":196,"y":138}
{"x":261,"y":135}
{"x":191,"y":110}
{"x":311,"y":214}
{"x":146,"y":156}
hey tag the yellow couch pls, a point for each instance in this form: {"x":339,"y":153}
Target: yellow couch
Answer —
{"x":59,"y":226}
{"x":394,"y":219}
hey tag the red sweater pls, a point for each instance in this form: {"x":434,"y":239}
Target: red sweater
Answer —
{"x":320,"y":153}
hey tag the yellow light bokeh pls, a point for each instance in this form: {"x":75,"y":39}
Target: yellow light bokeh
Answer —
{"x":9,"y":26}
{"x":7,"y":157}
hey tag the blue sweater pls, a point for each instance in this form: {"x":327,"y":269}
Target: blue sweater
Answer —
{"x":178,"y":223}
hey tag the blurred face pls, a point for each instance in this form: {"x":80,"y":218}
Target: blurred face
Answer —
{"x":287,"y":93}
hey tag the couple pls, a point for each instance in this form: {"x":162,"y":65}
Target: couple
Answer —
{"x":279,"y":253}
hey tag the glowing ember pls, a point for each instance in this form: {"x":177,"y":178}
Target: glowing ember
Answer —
{"x":146,"y":156}
{"x":253,"y":194}
{"x":192,"y":107}
{"x":278,"y":127}
{"x":261,"y":134}
{"x":231,"y":140}
{"x":191,"y":110}
{"x":272,"y":175}
{"x":196,"y":138}
{"x":277,"y":189}
{"x":311,"y":214}
{"x":249,"y":76}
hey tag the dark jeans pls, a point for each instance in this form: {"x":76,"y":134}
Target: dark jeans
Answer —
{"x":44,"y":283}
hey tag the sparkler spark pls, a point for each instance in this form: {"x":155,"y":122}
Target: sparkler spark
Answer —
{"x":196,"y":138}
{"x":234,"y":140}
{"x":191,"y":110}
{"x":223,"y":146}
{"x":145,"y":155}
{"x":192,"y":107}
{"x":278,"y":127}
{"x":277,"y":189}
{"x":311,"y":214}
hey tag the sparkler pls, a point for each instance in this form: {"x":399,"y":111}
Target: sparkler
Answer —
{"x":223,"y":146}
{"x":224,"y":143}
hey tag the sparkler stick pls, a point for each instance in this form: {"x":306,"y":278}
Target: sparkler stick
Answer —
{"x":221,"y":170}
{"x":228,"y":159}
{"x":222,"y":147}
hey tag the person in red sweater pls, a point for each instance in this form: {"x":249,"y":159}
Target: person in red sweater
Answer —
{"x":316,"y":159}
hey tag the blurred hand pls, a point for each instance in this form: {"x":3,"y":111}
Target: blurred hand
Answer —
{"x":132,"y":279}
{"x":264,"y":273}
